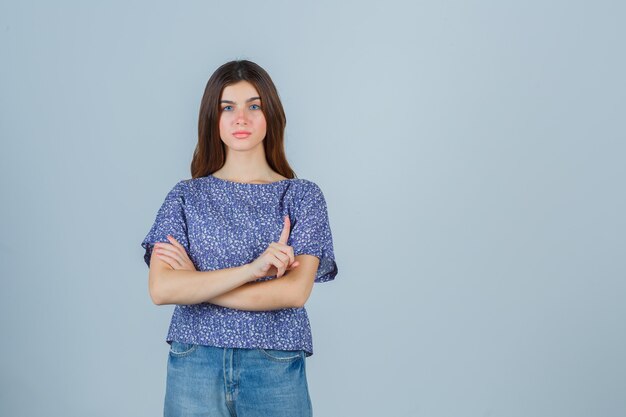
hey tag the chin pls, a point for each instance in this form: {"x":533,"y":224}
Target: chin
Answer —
{"x":243,"y":145}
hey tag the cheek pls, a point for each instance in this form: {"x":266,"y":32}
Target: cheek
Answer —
{"x":224,"y":121}
{"x":261,"y":123}
{"x":224,"y":126}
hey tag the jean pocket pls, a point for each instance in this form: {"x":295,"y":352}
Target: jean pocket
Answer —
{"x":282,"y":355}
{"x":181,"y":348}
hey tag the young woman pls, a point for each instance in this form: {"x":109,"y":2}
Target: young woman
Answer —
{"x":238,"y":248}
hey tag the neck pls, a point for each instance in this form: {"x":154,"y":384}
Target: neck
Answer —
{"x":246,"y":166}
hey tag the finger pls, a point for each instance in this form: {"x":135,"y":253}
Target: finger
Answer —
{"x":182,"y":254}
{"x":167,"y":259}
{"x":280,"y":254}
{"x":175,"y":242}
{"x":176,"y":249}
{"x":280,"y":264}
{"x":284,"y":235}
{"x":271,"y":270}
{"x":167,"y":248}
{"x":293,"y":265}
{"x":172,"y":252}
{"x":164,"y":245}
{"x":292,"y":257}
{"x":286,"y":249}
{"x":281,"y":271}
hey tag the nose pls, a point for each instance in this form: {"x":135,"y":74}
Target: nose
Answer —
{"x":241,"y":118}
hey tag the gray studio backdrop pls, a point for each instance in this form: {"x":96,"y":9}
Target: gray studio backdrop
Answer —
{"x":471,"y":153}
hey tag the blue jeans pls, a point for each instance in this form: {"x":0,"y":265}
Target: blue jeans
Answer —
{"x":234,"y":382}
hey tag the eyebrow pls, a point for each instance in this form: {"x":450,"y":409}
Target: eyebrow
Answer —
{"x":248,"y":100}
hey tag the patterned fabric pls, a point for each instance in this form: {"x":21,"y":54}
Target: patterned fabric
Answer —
{"x":222,"y":224}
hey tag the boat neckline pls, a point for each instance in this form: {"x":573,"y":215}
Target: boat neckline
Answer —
{"x":248,"y":183}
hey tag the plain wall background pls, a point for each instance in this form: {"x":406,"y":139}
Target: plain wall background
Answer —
{"x":471,"y":153}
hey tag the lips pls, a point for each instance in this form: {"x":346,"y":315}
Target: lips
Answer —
{"x":241,"y":134}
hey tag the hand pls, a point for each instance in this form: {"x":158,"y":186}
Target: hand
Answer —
{"x":277,"y":258}
{"x":174,"y":254}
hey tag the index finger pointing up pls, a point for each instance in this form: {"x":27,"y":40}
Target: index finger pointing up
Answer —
{"x":284,"y":235}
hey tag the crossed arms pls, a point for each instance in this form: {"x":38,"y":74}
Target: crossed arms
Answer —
{"x":230,"y":287}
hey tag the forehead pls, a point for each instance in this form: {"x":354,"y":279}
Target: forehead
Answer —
{"x":241,"y":90}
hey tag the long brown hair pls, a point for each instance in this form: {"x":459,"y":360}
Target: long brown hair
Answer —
{"x":210,"y":152}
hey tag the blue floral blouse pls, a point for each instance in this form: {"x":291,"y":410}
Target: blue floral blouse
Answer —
{"x":223,"y":224}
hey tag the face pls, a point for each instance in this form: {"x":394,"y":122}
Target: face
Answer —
{"x":242,"y":122}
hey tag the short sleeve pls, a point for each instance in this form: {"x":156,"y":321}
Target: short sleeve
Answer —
{"x":310,"y":232}
{"x":170,"y":220}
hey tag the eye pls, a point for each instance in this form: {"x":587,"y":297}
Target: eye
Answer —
{"x":255,"y":107}
{"x":227,"y":108}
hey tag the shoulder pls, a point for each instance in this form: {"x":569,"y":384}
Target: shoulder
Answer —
{"x":304,"y":183}
{"x":305,"y":187}
{"x":180,"y":191}
{"x":309,"y":195}
{"x":190,"y":186}
{"x":178,"y":188}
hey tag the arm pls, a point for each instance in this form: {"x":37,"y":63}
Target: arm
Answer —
{"x":170,"y":286}
{"x":289,"y":291}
